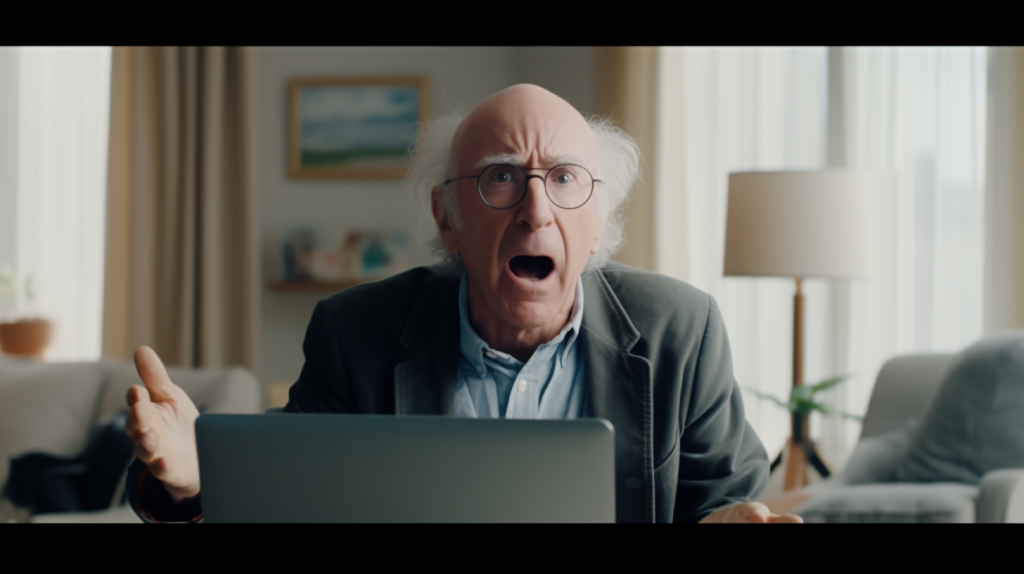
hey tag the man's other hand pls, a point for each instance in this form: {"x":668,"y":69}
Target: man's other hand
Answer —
{"x":749,"y":513}
{"x":162,"y":426}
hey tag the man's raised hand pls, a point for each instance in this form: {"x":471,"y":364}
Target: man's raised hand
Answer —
{"x":162,"y":426}
{"x":749,"y":513}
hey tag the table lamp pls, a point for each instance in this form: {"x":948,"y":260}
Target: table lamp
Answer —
{"x":799,"y":224}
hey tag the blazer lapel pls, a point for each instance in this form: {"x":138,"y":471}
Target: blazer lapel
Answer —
{"x":620,"y":391}
{"x":426,"y":383}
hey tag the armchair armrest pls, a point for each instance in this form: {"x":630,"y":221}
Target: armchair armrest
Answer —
{"x":1001,"y":497}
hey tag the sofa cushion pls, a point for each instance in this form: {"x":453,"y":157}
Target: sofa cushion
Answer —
{"x":91,"y":480}
{"x":46,"y":407}
{"x":224,"y":390}
{"x":973,"y":424}
{"x":875,"y":458}
{"x":120,"y":515}
{"x":893,"y":502}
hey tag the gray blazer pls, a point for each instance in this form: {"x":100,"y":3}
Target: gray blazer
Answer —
{"x":656,"y":359}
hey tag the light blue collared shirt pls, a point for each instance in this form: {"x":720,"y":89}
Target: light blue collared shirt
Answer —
{"x":493,"y":384}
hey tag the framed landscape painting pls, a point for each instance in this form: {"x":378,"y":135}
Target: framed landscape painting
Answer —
{"x":354,"y":128}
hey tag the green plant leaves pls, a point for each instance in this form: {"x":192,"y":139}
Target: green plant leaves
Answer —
{"x":826,"y":384}
{"x":7,"y":281}
{"x":771,"y":398}
{"x":801,"y":398}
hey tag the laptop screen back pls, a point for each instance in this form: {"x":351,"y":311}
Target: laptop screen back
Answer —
{"x":378,"y":468}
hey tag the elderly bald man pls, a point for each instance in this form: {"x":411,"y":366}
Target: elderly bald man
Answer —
{"x":525,"y":318}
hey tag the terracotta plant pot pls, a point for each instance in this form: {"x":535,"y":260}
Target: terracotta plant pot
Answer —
{"x":25,"y":338}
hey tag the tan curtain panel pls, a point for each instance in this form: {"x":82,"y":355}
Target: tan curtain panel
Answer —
{"x":182,"y":262}
{"x":1004,"y":198}
{"x":625,"y":91}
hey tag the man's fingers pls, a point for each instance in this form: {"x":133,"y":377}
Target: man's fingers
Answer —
{"x":143,"y":454}
{"x":139,"y":426}
{"x":137,"y":393}
{"x":750,"y":513}
{"x":131,"y":425}
{"x":157,"y":467}
{"x":153,"y":374}
{"x":148,"y":439}
{"x":141,"y":419}
{"x":785,"y":519}
{"x":756,"y":512}
{"x":146,"y":448}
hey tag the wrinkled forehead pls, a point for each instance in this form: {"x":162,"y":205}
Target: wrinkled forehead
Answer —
{"x":527,"y":123}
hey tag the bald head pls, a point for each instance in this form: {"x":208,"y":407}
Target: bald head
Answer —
{"x":527,"y":122}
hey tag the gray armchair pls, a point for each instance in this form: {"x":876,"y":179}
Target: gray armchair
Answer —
{"x":913,"y":409}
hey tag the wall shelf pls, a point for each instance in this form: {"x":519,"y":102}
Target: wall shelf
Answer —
{"x":314,"y":285}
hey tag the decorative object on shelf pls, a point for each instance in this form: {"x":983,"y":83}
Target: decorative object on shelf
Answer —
{"x":24,"y":334}
{"x":354,"y":128}
{"x":297,"y":253}
{"x":800,"y":224}
{"x":358,"y":255}
{"x":373,"y":253}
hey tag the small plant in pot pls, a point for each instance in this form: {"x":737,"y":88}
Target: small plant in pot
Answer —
{"x":22,"y":334}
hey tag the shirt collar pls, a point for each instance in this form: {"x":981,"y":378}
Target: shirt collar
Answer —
{"x":473,"y":347}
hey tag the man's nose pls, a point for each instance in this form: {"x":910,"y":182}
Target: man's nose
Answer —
{"x":535,"y":208}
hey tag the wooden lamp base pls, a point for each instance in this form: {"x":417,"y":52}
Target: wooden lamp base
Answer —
{"x":798,"y":453}
{"x":799,"y":449}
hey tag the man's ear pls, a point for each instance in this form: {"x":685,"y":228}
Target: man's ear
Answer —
{"x":443,"y":220}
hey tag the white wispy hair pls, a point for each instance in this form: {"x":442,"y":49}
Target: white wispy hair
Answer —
{"x":618,"y":169}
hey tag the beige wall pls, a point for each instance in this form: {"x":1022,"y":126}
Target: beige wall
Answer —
{"x":565,"y":71}
{"x":460,"y":78}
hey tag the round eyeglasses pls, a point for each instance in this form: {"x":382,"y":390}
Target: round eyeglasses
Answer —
{"x":502,"y":186}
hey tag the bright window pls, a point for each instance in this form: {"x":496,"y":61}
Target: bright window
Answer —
{"x":917,"y":114}
{"x":54,"y":110}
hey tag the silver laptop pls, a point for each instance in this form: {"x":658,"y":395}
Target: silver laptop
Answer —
{"x":378,"y":468}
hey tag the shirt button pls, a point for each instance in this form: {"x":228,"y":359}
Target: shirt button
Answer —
{"x":522,"y":385}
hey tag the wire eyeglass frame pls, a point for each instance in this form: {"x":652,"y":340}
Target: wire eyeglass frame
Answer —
{"x":526,"y":183}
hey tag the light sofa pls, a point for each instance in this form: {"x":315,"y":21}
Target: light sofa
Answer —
{"x":50,"y":407}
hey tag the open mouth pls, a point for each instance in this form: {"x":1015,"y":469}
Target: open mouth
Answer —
{"x":531,"y":268}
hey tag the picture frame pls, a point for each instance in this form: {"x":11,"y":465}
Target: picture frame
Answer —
{"x":354,"y":128}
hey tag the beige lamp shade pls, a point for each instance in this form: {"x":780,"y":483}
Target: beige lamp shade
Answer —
{"x":799,"y":224}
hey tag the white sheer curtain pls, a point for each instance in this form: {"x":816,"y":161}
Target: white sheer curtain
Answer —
{"x":917,"y":114}
{"x":55,"y":124}
{"x":747,"y":109}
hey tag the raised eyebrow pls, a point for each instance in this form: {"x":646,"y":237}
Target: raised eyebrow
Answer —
{"x":518,"y":161}
{"x":494,"y":159}
{"x":567,"y":159}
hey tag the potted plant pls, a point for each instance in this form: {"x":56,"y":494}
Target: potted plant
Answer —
{"x":22,"y":334}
